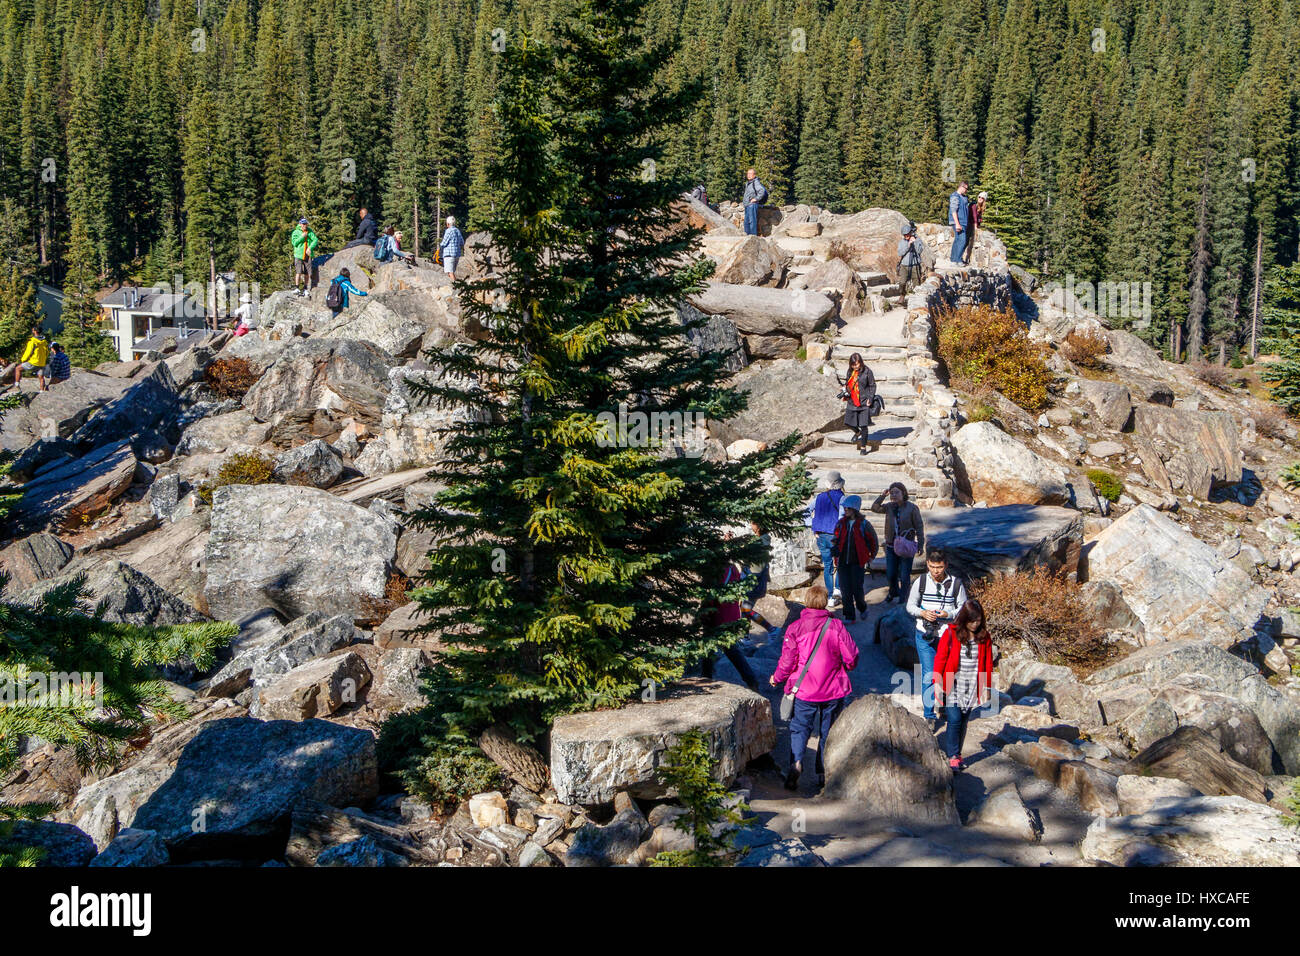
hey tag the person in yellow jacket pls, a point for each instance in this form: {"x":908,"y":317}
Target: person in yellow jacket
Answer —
{"x":35,"y":357}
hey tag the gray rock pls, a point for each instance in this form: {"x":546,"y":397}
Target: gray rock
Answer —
{"x":1138,"y":794}
{"x":78,"y":490}
{"x":792,"y":852}
{"x":760,"y":311}
{"x":295,"y":549}
{"x":220,"y":433}
{"x":349,"y":378}
{"x":713,"y":334}
{"x":127,"y":596}
{"x":316,"y":464}
{"x":984,"y":541}
{"x":1195,"y":831}
{"x":59,"y":844}
{"x":165,"y":496}
{"x":236,"y":782}
{"x":42,"y":455}
{"x":152,"y":403}
{"x":134,"y":848}
{"x":608,"y":845}
{"x":363,"y":851}
{"x":1112,"y":402}
{"x":35,"y":558}
{"x":1002,"y":470}
{"x":784,"y":396}
{"x":1004,"y":811}
{"x":58,"y":412}
{"x":264,"y":650}
{"x":318,"y":688}
{"x":1187,"y":451}
{"x":885,"y":758}
{"x":595,"y":755}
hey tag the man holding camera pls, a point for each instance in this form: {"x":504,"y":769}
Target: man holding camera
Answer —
{"x":934,"y":600}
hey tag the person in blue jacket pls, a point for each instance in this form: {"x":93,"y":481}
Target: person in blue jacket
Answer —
{"x":343,"y":281}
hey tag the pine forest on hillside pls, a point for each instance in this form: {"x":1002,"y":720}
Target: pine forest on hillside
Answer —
{"x":1127,"y":140}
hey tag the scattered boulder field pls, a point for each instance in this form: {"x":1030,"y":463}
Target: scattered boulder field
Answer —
{"x":1179,"y":750}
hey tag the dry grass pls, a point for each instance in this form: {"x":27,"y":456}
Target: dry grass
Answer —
{"x":1086,"y":348}
{"x":1217,"y":376}
{"x":984,"y":347}
{"x":1044,"y":612}
{"x":1271,"y":422}
{"x":230,"y":377}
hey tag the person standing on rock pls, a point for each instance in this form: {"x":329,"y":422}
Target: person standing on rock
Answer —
{"x":304,"y":243}
{"x":959,"y":219}
{"x":904,"y":537}
{"x":976,"y":223}
{"x":934,"y":600}
{"x":909,"y":261}
{"x":451,"y":247}
{"x":963,"y":674}
{"x":855,"y":549}
{"x":755,"y":196}
{"x":859,"y":392}
{"x":816,"y":657}
{"x":826,"y":515}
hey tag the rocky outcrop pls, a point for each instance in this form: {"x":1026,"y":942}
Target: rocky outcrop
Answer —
{"x":35,"y":558}
{"x":295,"y":549}
{"x":1001,"y":470}
{"x":784,"y":397}
{"x":753,"y":261}
{"x":315,"y":463}
{"x":341,"y":376}
{"x":984,"y":541}
{"x":1175,"y":584}
{"x":318,"y":688}
{"x":1195,"y":831}
{"x":594,"y":755}
{"x":73,"y":493}
{"x":886,"y":759}
{"x":1187,"y":451}
{"x":760,"y":311}
{"x":125,"y":595}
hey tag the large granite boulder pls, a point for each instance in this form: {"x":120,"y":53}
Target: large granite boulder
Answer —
{"x":217,"y":434}
{"x":77,"y":490}
{"x":1001,"y":470}
{"x":412,"y":423}
{"x":885,"y":759}
{"x":1188,"y":451}
{"x":1175,"y":584}
{"x":836,"y":278}
{"x":315,"y":463}
{"x":595,"y":755}
{"x":377,"y":323}
{"x":58,"y":844}
{"x":125,"y":595}
{"x":784,"y":396}
{"x":1111,"y":401}
{"x":761,"y":311}
{"x":868,"y":240}
{"x":318,"y":688}
{"x":235,"y":784}
{"x":753,"y":261}
{"x":713,"y":334}
{"x":344,"y":376}
{"x":296,"y":549}
{"x":35,"y":558}
{"x":984,"y":541}
{"x":58,"y":412}
{"x":264,"y":649}
{"x":152,"y":403}
{"x":1195,"y":831}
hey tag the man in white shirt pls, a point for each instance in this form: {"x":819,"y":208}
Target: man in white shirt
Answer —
{"x":934,"y":600}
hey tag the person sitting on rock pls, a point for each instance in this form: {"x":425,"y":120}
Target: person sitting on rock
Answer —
{"x":397,"y":249}
{"x":904,"y":537}
{"x":60,"y":365}
{"x":963,"y":674}
{"x":35,"y":356}
{"x":855,"y":549}
{"x":367,"y":230}
{"x":343,"y":283}
{"x":858,"y":393}
{"x":245,"y":316}
{"x":934,"y":601}
{"x":816,"y":657}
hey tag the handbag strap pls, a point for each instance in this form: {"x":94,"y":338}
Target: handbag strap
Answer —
{"x":808,"y":663}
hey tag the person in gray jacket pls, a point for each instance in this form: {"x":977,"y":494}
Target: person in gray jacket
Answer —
{"x":910,"y":249}
{"x":755,"y":196}
{"x":902,"y":520}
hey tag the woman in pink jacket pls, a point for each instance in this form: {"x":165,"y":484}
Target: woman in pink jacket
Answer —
{"x":821,"y":694}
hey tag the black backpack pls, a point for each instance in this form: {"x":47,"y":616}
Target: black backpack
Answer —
{"x":334,"y":297}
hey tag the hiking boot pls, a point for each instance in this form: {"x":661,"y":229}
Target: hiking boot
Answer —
{"x":792,"y":779}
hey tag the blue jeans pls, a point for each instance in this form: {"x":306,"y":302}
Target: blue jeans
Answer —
{"x":955,"y":735}
{"x":738,"y":660}
{"x":751,"y":219}
{"x":809,"y":720}
{"x":851,"y":594}
{"x":959,"y":245}
{"x":925,"y":652}
{"x":826,"y":548}
{"x":898,"y":571}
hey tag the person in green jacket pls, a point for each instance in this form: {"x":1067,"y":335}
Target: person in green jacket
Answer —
{"x":304,"y":247}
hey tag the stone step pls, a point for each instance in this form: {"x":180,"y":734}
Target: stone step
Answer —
{"x":840,"y":457}
{"x":885,"y":431}
{"x":871,"y":483}
{"x":889,"y":329}
{"x":890,"y":291}
{"x":896,"y":390}
{"x":873,"y":279}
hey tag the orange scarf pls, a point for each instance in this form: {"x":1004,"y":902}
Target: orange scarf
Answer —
{"x":854,"y":395}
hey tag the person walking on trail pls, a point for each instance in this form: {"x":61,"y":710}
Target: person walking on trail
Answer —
{"x":976,"y":223}
{"x":855,"y":549}
{"x":825,"y":517}
{"x":755,"y":196}
{"x":451,"y":247}
{"x":816,"y":657}
{"x":60,"y":365}
{"x":340,"y":292}
{"x":858,"y":393}
{"x":963,"y":674}
{"x":909,"y":261}
{"x":959,"y":219}
{"x":304,"y":242}
{"x":367,"y":230}
{"x":904,"y":537}
{"x":729,"y":613}
{"x":35,"y":357}
{"x":760,"y":573}
{"x":934,"y":601}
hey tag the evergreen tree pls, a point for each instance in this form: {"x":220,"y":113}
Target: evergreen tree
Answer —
{"x":578,"y":558}
{"x":19,"y":311}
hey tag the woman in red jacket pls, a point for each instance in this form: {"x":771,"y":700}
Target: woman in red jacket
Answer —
{"x":963,"y":673}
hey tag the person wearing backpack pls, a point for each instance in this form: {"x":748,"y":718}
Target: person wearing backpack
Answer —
{"x":385,"y":245}
{"x":963,"y":674}
{"x":934,"y":601}
{"x":451,"y":247}
{"x":904,"y":537}
{"x":909,"y":261}
{"x":337,"y":298}
{"x":755,"y":196}
{"x":826,"y":515}
{"x":855,"y":549}
{"x":959,"y":219}
{"x":304,"y":243}
{"x":816,"y":657}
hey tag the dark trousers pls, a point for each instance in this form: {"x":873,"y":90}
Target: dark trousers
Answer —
{"x":738,"y":661}
{"x":955,"y":734}
{"x":751,"y":219}
{"x":812,"y":720}
{"x":898,"y":571}
{"x":851,"y":589}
